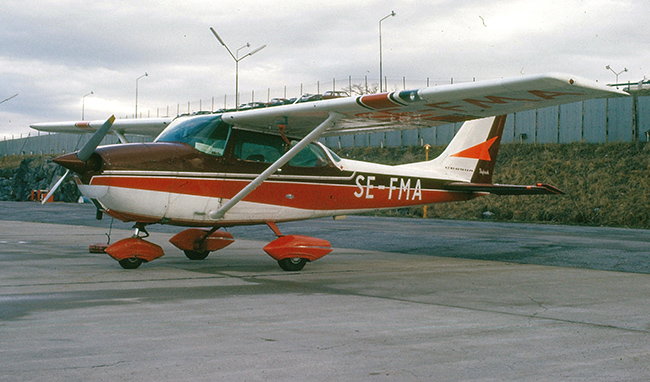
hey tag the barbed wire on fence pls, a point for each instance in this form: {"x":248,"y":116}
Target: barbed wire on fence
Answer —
{"x":350,"y":85}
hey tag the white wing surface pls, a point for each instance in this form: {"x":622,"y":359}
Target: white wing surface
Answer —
{"x":144,"y":126}
{"x":425,"y":107}
{"x":399,"y":110}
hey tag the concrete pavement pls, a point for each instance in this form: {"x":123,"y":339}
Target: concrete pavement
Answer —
{"x":355,"y":315}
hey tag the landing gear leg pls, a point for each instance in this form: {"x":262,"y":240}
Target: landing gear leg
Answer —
{"x":140,"y":228}
{"x":197,"y":253}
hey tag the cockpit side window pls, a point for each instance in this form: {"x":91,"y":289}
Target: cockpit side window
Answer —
{"x":266,"y":148}
{"x":258,"y":147}
{"x":206,"y":133}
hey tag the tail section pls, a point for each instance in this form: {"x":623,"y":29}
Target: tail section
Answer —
{"x":485,"y":152}
{"x":468,"y":162}
{"x":471,"y":155}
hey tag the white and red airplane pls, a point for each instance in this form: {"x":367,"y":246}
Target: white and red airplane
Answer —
{"x":265,"y":166}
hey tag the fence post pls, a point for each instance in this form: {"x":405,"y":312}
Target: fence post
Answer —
{"x":635,"y":118}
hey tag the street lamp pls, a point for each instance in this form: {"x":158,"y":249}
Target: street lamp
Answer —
{"x":83,"y":104}
{"x":136,"y":92}
{"x":16,"y":95}
{"x":381,"y":71}
{"x":237,"y":59}
{"x":622,"y":71}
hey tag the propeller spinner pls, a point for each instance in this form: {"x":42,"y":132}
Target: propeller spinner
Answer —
{"x":77,"y":161}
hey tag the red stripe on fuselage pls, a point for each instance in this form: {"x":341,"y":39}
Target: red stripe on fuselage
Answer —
{"x":302,"y":195}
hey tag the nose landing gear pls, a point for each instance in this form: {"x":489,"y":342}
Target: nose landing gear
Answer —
{"x":133,"y":251}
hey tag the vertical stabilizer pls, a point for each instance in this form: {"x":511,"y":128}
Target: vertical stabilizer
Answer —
{"x":485,"y":166}
{"x":471,"y":155}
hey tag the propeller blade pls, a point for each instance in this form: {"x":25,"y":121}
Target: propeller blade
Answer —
{"x":84,"y":154}
{"x":56,"y":186}
{"x":95,"y":140}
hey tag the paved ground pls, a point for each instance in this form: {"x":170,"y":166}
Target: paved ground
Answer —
{"x":615,"y":249}
{"x":423,"y":308}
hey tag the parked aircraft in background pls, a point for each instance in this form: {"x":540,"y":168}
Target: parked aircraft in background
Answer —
{"x":266,"y":166}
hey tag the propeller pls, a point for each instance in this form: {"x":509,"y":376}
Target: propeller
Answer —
{"x":56,"y":186}
{"x":85,"y":152}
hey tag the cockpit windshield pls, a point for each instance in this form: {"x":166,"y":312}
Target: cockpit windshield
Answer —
{"x":210,"y":134}
{"x":206,"y":133}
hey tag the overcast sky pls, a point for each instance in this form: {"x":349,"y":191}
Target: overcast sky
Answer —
{"x":53,"y":52}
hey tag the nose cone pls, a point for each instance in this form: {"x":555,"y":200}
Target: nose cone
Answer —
{"x":76,"y":165}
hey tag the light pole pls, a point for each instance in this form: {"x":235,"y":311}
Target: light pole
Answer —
{"x":83,"y":104}
{"x":427,"y":147}
{"x":381,"y":70}
{"x":136,"y":92}
{"x":622,"y":71}
{"x":16,"y":95}
{"x":237,"y":59}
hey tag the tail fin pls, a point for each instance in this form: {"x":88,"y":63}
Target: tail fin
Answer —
{"x":472,"y":154}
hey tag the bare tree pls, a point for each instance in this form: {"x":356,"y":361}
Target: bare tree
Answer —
{"x":361,"y":89}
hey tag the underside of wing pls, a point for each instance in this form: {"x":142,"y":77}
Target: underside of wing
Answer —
{"x":425,"y":107}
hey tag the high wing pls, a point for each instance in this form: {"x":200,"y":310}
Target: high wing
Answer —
{"x":399,"y":110}
{"x":424,"y":107}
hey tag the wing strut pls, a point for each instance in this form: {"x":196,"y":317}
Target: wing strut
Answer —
{"x":121,"y":137}
{"x":312,"y":136}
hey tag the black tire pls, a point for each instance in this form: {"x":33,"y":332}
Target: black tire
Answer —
{"x":131,"y":263}
{"x":292,"y":264}
{"x":196,"y":255}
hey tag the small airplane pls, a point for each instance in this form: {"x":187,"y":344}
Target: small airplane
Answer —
{"x":266,"y":165}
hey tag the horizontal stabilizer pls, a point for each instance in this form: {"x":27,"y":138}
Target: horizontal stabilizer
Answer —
{"x":505,"y":189}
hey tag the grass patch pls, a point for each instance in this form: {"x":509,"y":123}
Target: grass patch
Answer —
{"x":605,"y":184}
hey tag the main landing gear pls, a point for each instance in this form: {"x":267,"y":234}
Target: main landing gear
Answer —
{"x":291,"y":252}
{"x":294,"y":251}
{"x":198,"y":243}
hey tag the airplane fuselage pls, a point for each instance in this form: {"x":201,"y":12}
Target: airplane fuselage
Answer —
{"x":188,"y":173}
{"x":172,"y":183}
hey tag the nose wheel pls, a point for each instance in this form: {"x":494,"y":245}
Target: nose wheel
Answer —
{"x":130,"y":263}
